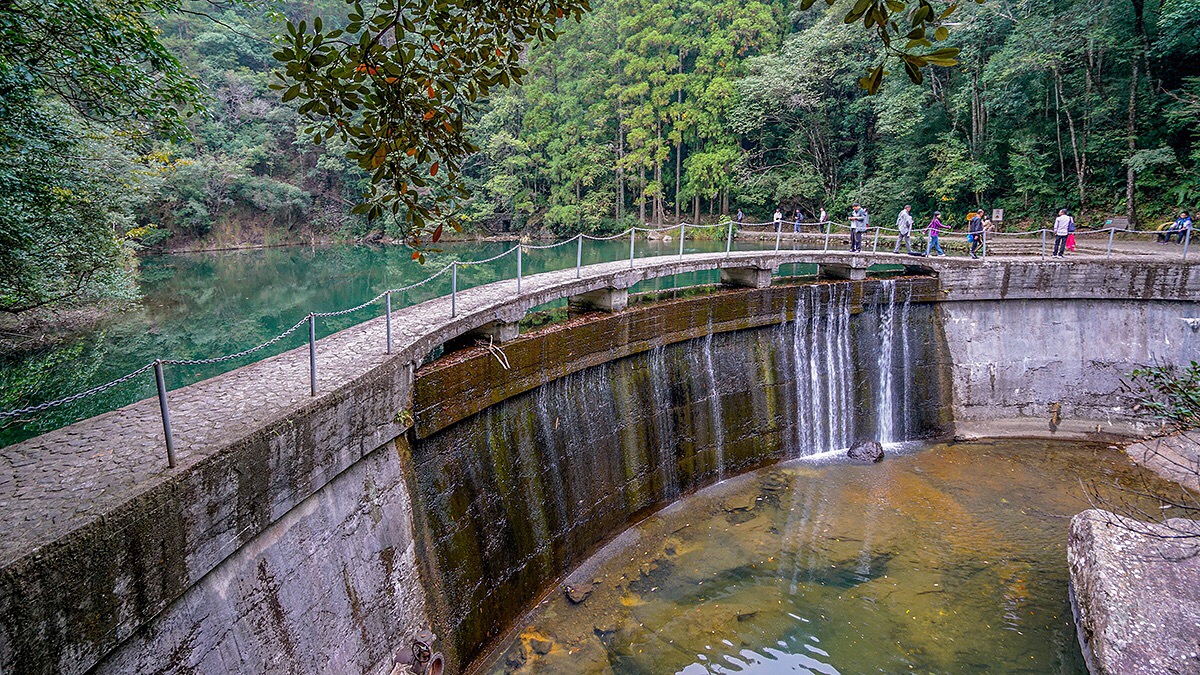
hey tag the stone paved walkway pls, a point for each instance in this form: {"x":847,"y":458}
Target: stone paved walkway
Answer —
{"x":54,"y":483}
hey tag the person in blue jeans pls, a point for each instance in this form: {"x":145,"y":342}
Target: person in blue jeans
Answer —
{"x":1183,"y":226}
{"x":935,"y":228}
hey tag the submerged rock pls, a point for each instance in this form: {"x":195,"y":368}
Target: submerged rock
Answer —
{"x":1135,"y":591}
{"x":867,"y":452}
{"x":739,"y":502}
{"x":541,"y":647}
{"x":579,"y":592}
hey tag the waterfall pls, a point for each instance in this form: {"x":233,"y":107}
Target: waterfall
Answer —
{"x":885,"y":404}
{"x":664,"y":421}
{"x":821,"y":371}
{"x":906,"y":404}
{"x":714,"y":405}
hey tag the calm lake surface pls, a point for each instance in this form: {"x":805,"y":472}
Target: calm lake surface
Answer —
{"x":204,"y":305}
{"x":947,"y":560}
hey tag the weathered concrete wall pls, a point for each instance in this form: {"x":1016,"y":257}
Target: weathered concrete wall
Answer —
{"x":332,"y":587}
{"x":1013,"y":360}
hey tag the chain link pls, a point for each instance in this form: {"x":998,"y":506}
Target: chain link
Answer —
{"x":231,"y":357}
{"x":75,"y":397}
{"x":488,"y":260}
{"x":556,"y":245}
{"x":608,"y":238}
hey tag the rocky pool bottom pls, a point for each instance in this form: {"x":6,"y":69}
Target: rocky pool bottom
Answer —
{"x":950,"y":558}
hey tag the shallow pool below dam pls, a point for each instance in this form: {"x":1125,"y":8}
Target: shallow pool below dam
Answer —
{"x":941,"y":559}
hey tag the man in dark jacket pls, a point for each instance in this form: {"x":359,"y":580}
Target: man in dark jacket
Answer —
{"x":976,"y":233}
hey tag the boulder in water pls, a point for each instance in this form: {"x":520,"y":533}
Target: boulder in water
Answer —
{"x":866,"y":452}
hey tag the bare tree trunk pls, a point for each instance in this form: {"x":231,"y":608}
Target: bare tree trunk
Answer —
{"x":658,"y":197}
{"x":678,"y":143}
{"x":642,"y":196}
{"x":1062,"y":164}
{"x":1080,"y":160}
{"x":1131,"y":130}
{"x":678,"y":165}
{"x":620,"y":171}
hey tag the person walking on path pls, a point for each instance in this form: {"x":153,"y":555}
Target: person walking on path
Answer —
{"x":935,"y":228}
{"x":798,"y":217}
{"x":858,"y":225}
{"x":821,"y":220}
{"x":904,"y":223}
{"x":740,"y":217}
{"x":1062,"y":227}
{"x":975,"y":233}
{"x":778,"y":220}
{"x":1071,"y":235}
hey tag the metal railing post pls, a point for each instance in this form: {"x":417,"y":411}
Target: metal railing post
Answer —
{"x":453,"y":288}
{"x":518,"y":268}
{"x":875,"y":245}
{"x":729,"y":239}
{"x":1112,"y":232}
{"x":828,"y":228}
{"x":1187,"y":240}
{"x":985,"y":241}
{"x":778,"y":234}
{"x":681,"y":233}
{"x":312,"y":354}
{"x":166,"y":413}
{"x":632,"y":233}
{"x":1043,"y":242}
{"x":579,"y":257}
{"x":388,"y":301}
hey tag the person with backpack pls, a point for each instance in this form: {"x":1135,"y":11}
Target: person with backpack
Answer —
{"x":975,"y":233}
{"x":904,"y":223}
{"x":935,"y":228}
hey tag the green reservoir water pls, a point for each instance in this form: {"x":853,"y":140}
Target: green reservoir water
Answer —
{"x":947,"y":560}
{"x":204,"y":305}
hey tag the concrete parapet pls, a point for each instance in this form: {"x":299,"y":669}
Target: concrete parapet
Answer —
{"x":497,"y":331}
{"x":750,"y":277}
{"x":842,"y":271}
{"x":605,"y":300}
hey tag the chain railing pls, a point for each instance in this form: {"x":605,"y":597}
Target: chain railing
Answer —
{"x":826,"y":228}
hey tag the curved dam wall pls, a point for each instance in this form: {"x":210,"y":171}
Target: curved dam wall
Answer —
{"x":509,"y":499}
{"x":303,"y":534}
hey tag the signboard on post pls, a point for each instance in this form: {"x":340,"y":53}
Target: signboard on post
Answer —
{"x":997,"y":215}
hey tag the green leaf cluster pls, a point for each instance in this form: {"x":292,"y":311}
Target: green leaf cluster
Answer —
{"x":396,"y":80}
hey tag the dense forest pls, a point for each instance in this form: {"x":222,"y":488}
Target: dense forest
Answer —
{"x":644,"y":111}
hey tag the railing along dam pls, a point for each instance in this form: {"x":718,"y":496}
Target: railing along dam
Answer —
{"x":106,"y":549}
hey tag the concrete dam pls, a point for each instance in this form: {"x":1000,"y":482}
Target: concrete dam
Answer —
{"x":453,"y":480}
